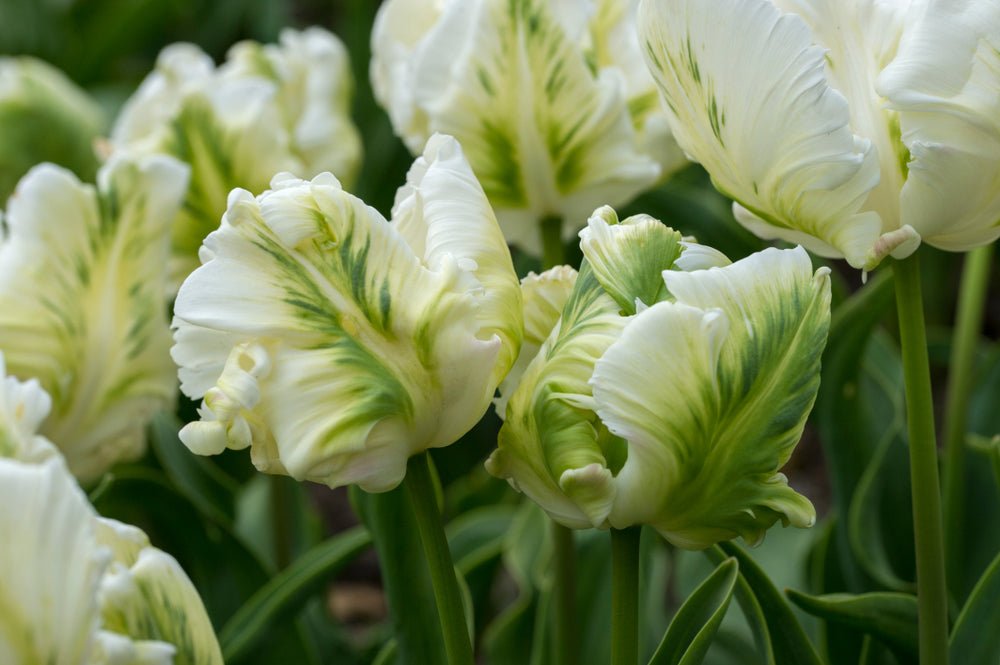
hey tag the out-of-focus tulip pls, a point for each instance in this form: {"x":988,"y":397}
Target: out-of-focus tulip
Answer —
{"x":670,"y":397}
{"x":336,"y":344}
{"x":81,"y":302}
{"x":267,"y":109}
{"x":857,"y":128}
{"x":44,"y":117}
{"x":549,"y":99}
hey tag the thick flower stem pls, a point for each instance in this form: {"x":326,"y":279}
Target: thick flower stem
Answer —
{"x":968,"y":325}
{"x":932,"y":594}
{"x":625,"y":596}
{"x":420,"y":487}
{"x":553,"y":252}
{"x":565,"y":639}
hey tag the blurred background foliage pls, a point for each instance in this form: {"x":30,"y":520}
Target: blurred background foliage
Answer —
{"x":279,"y":589}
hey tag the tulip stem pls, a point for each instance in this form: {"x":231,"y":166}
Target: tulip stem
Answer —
{"x":423,"y":498}
{"x":625,"y":596}
{"x":968,"y":325}
{"x":565,"y":636}
{"x":932,"y":593}
{"x":553,"y":252}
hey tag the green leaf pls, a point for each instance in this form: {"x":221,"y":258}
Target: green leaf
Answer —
{"x":975,"y":639}
{"x":888,"y":616}
{"x":752,"y":610}
{"x":198,"y":479}
{"x":405,"y":575}
{"x":785,"y":634}
{"x":691,"y":632}
{"x":288,"y":591}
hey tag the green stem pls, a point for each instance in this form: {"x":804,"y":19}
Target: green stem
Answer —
{"x":281,"y":512}
{"x":968,"y":325}
{"x":932,"y":594}
{"x":565,"y":638}
{"x":625,"y":596}
{"x":553,"y":251}
{"x":420,"y":487}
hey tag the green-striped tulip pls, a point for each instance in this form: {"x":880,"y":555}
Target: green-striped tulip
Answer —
{"x":672,"y":388}
{"x":336,"y":344}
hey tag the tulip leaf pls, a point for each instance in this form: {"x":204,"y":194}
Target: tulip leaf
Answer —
{"x":975,"y":639}
{"x":196,"y":477}
{"x":405,"y":575}
{"x":690,"y":633}
{"x":751,"y":607}
{"x":785,"y":635}
{"x":888,"y":616}
{"x":286,"y":592}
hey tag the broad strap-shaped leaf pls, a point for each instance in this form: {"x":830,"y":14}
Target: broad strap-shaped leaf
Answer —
{"x":749,"y":98}
{"x":146,"y":596}
{"x":308,"y":298}
{"x":544,"y":297}
{"x":50,"y":565}
{"x":545,"y":135}
{"x":711,"y":392}
{"x":888,"y":616}
{"x":81,"y":302}
{"x":943,"y":83}
{"x":972,"y":640}
{"x":691,"y":631}
{"x":628,"y":257}
{"x":552,"y":447}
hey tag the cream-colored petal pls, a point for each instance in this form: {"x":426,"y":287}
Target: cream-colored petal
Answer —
{"x":146,"y":597}
{"x":544,"y":297}
{"x":945,"y":84}
{"x":552,"y":447}
{"x":81,"y":309}
{"x":50,"y":566}
{"x":711,"y":393}
{"x":23,"y":407}
{"x":749,"y":99}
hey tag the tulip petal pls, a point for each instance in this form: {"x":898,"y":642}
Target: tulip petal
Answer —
{"x":552,"y":447}
{"x":547,"y":137}
{"x":945,"y":84}
{"x":711,"y":393}
{"x":50,"y":565}
{"x":146,"y":596}
{"x":544,"y":297}
{"x":749,"y":99}
{"x":628,"y":257}
{"x":81,"y":302}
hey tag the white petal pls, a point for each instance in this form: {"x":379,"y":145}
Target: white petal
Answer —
{"x":749,"y":99}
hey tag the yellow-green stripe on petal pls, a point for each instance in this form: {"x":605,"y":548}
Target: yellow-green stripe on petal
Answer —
{"x":711,"y":392}
{"x":81,"y":308}
{"x":335,"y":344}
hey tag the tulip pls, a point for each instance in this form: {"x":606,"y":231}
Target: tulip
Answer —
{"x":849,"y":127}
{"x":76,"y":588}
{"x":269,"y":108}
{"x":670,"y":397}
{"x":335,"y":344}
{"x":81,"y":308}
{"x":549,"y":100}
{"x":44,"y":117}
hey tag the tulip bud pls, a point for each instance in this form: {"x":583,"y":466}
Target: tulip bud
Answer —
{"x":44,"y":117}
